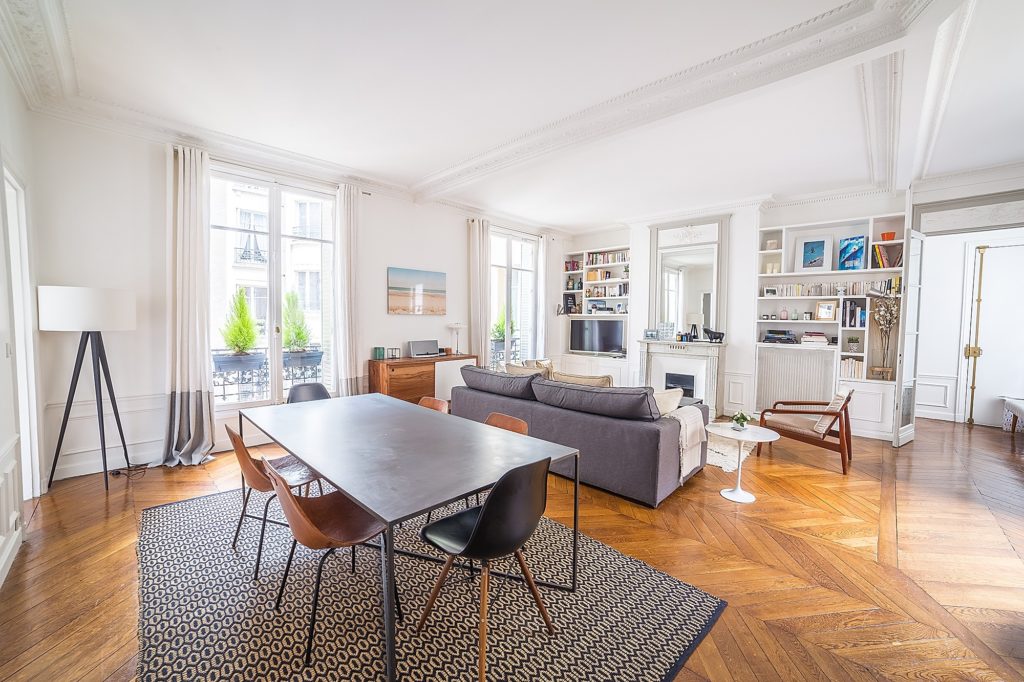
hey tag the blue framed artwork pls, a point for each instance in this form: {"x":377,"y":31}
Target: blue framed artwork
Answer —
{"x":814,"y":254}
{"x":852,"y":252}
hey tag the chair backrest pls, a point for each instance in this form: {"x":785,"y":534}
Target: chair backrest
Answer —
{"x":511,"y":512}
{"x":301,"y":393}
{"x":303,"y":528}
{"x":507,"y":422}
{"x":253,"y":472}
{"x":838,"y":404}
{"x":435,"y":404}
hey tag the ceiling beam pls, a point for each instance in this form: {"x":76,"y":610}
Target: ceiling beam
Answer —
{"x":881,"y":88}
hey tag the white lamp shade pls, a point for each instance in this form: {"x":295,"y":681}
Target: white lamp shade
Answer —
{"x":457,"y":325}
{"x":695,"y":318}
{"x":85,"y":309}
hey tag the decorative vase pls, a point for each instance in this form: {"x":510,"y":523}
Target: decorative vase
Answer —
{"x":737,"y":427}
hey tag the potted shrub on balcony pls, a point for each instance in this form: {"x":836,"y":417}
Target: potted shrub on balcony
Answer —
{"x":240,"y":336}
{"x":296,"y":335}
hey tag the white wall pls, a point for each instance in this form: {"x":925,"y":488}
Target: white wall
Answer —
{"x":396,"y":232}
{"x":945,"y":310}
{"x":100,"y":220}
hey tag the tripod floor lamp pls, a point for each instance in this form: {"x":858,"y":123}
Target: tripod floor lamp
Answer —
{"x":88,"y":311}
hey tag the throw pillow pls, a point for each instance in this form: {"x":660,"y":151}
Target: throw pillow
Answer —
{"x":499,"y":382}
{"x":521,"y":370}
{"x":604,"y":381}
{"x":629,"y":402}
{"x":668,"y":400}
{"x":825,"y":421}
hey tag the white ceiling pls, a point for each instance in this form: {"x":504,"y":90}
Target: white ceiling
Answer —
{"x":576,"y":113}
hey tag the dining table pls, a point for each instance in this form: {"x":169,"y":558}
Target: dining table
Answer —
{"x":399,"y":461}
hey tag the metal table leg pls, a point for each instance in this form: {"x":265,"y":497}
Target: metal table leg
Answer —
{"x":575,"y":518}
{"x":388,"y":579}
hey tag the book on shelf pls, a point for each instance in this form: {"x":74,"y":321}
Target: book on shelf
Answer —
{"x":854,"y":314}
{"x":883,"y":257}
{"x":779,"y":336}
{"x":851,"y":368}
{"x":827,"y":289}
{"x":814,"y":338}
{"x":573,"y":265}
{"x":608,"y":258}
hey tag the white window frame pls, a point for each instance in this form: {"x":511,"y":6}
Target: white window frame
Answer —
{"x":510,"y":236}
{"x":275,"y":293}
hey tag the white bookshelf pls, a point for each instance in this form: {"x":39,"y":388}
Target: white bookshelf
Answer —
{"x":598,"y":278}
{"x":798,"y":292}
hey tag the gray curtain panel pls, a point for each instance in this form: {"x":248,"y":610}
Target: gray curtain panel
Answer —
{"x":190,"y":415}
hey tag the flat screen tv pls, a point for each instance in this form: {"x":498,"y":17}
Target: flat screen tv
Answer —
{"x":596,"y":336}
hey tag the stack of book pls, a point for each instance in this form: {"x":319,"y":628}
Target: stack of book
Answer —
{"x":854,"y":315}
{"x":573,"y":265}
{"x":814,"y":338}
{"x":884,"y":258}
{"x":779,"y":336}
{"x":851,"y":368}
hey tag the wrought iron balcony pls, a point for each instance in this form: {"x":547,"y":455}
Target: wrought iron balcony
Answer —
{"x":250,"y":256}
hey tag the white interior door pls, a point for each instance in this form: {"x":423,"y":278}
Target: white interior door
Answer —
{"x":910,"y":321}
{"x":10,"y":451}
{"x":1000,"y":369}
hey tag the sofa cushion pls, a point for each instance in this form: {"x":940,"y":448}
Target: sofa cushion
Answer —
{"x":600,"y":380}
{"x":522,"y":370}
{"x":499,"y":382}
{"x":795,"y":423}
{"x":668,"y":400}
{"x":632,"y":402}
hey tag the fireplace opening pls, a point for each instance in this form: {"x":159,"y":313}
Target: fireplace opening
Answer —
{"x":683,"y":381}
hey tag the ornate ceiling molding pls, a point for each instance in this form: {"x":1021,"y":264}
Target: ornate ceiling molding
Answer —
{"x":847,"y":30}
{"x":881,"y":88}
{"x":949,"y":42}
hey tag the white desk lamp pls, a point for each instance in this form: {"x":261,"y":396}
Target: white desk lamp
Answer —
{"x":456,"y":327}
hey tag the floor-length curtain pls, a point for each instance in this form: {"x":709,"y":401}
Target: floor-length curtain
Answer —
{"x":479,"y":289}
{"x":541,"y":295}
{"x":348,"y":368}
{"x":189,"y":436}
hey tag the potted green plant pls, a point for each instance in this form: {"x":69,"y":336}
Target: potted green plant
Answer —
{"x":295,"y":335}
{"x":240,"y":337}
{"x":853,"y":343}
{"x":740,"y":420}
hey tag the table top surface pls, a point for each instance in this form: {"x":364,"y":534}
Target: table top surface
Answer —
{"x":751,"y":434}
{"x":395,"y":459}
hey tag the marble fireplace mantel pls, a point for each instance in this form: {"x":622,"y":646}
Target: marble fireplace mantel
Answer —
{"x":699,"y":358}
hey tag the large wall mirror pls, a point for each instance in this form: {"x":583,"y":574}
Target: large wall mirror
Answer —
{"x":686,"y":275}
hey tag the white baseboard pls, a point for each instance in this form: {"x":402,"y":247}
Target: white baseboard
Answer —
{"x":90,"y":461}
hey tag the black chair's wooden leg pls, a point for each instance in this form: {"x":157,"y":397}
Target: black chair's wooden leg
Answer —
{"x":241,"y":517}
{"x":534,"y":591}
{"x":434,"y":592}
{"x":485,"y":581}
{"x":284,"y":578}
{"x":263,"y":532}
{"x":316,"y":601}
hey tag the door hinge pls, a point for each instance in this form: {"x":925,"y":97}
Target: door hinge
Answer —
{"x":972,"y":352}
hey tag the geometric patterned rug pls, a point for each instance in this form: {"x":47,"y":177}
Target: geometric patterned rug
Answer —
{"x":202,"y":617}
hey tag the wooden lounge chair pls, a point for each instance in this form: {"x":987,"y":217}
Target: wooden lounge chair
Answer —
{"x":814,"y":422}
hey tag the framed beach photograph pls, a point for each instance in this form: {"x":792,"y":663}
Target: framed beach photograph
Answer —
{"x":814,"y":254}
{"x":417,"y":292}
{"x":852,"y":251}
{"x":826,"y":310}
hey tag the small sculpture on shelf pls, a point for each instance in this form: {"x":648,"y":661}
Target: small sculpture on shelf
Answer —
{"x":713,"y":336}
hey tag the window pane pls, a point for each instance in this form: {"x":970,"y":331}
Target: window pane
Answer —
{"x":305,"y":215}
{"x":497,"y":316}
{"x":499,"y":250}
{"x":239,"y":342}
{"x":307,"y":270}
{"x":239,"y":205}
{"x":523,"y":313}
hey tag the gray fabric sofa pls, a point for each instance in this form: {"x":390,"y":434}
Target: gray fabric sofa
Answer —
{"x":636,"y":457}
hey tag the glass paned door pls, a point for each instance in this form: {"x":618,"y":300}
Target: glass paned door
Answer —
{"x":513,"y":304}
{"x":272,"y":307}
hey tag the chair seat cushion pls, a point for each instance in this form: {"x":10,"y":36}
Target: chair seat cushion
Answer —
{"x":451,"y":534}
{"x":292,"y":470}
{"x":340,"y":519}
{"x":796,"y":423}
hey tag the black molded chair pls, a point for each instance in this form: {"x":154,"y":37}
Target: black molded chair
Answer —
{"x":505,"y":521}
{"x":301,"y":393}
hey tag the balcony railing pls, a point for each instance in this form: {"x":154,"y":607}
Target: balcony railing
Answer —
{"x":250,"y":256}
{"x":246,"y":378}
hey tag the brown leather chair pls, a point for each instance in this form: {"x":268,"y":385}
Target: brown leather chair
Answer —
{"x":434,"y":404}
{"x":796,"y":419}
{"x":254,"y":477}
{"x":504,"y":421}
{"x":330,"y":522}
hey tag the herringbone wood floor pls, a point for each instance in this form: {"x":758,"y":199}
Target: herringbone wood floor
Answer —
{"x":910,"y":567}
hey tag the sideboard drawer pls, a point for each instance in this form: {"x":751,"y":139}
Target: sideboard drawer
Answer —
{"x":410,"y":382}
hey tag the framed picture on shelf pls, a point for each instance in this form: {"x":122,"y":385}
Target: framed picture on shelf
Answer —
{"x":650,"y":335}
{"x":826,"y":311}
{"x":814,"y":254}
{"x":771,"y":291}
{"x":852,"y":251}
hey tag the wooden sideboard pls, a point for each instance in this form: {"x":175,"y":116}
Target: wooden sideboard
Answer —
{"x":414,"y":378}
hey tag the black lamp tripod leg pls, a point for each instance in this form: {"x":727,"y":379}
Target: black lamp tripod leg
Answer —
{"x":99,"y":405}
{"x":67,"y":407}
{"x":98,"y":341}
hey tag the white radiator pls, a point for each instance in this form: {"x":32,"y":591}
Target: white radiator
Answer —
{"x":794,"y":374}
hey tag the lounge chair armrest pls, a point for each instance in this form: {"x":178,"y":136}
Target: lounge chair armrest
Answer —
{"x":820,"y":413}
{"x":799,"y":402}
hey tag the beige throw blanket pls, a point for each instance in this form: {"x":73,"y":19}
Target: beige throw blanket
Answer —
{"x":691,"y":435}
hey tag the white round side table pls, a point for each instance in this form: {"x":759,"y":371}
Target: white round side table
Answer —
{"x":751,"y":434}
